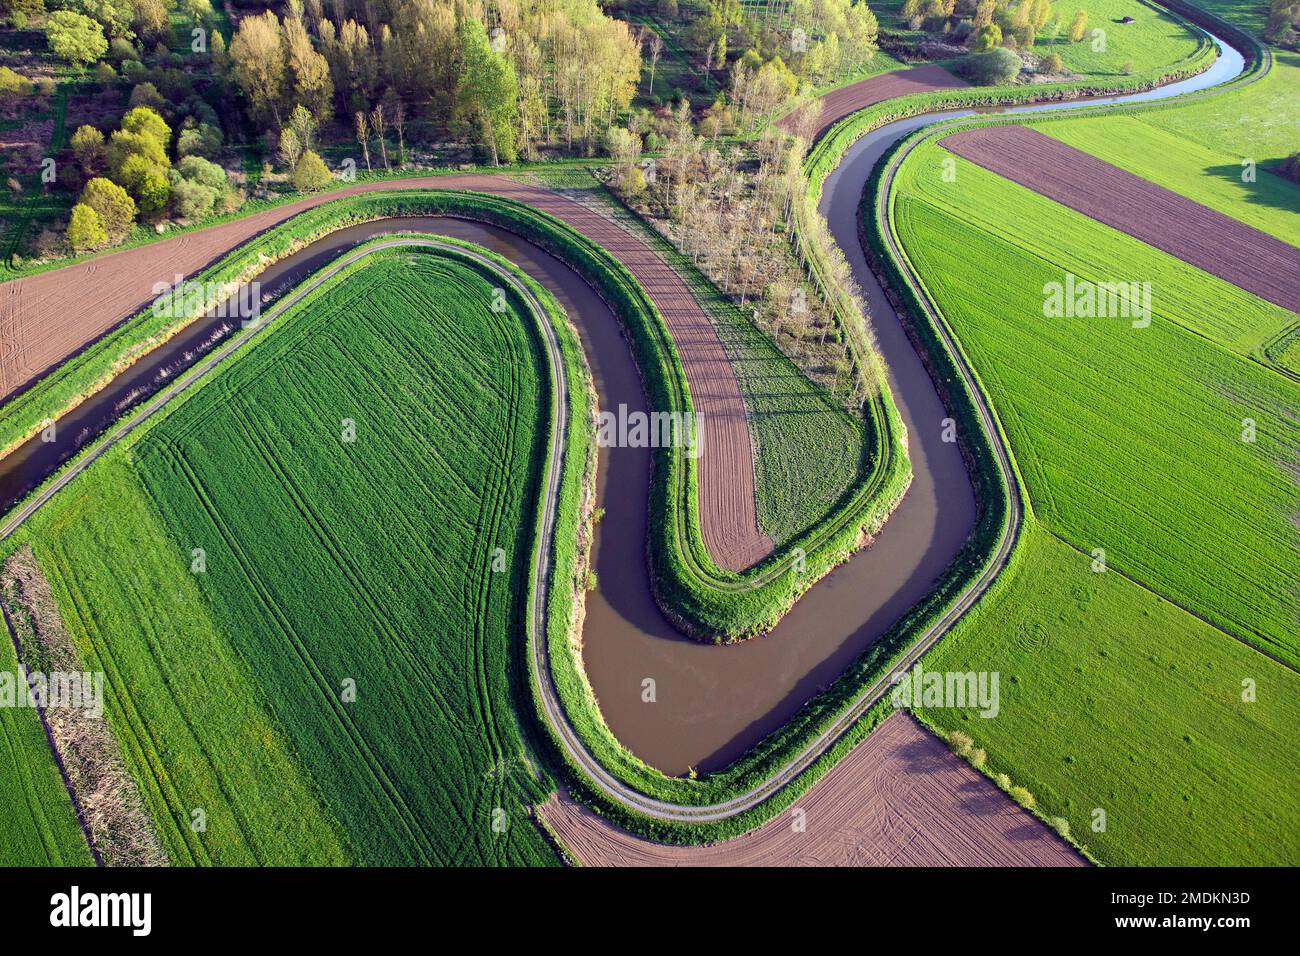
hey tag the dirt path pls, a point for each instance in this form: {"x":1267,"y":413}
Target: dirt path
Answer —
{"x":838,"y":104}
{"x":913,"y":804}
{"x":48,"y":317}
{"x":1200,"y":236}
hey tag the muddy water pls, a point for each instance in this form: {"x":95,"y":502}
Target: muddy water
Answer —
{"x":711,"y":703}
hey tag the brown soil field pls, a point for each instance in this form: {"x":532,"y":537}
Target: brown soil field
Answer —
{"x":46,"y":318}
{"x":900,"y":798}
{"x":1202,"y":237}
{"x":838,"y":104}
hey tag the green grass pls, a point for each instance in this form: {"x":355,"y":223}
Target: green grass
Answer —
{"x":1113,"y":698}
{"x":38,"y":826}
{"x":1155,"y":42}
{"x":364,"y":583}
{"x":1260,"y":116}
{"x":1250,"y":15}
{"x":1129,"y":439}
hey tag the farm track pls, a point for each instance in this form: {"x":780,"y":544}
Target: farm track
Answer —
{"x":847,"y":100}
{"x":1160,"y":217}
{"x":47,"y":321}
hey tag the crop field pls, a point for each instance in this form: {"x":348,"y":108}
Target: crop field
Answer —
{"x":1212,"y":177}
{"x":1198,"y":148}
{"x":1196,"y":234}
{"x":180,"y":698}
{"x":1128,"y":438}
{"x":1112,"y":698}
{"x":348,"y":652}
{"x":37,"y":826}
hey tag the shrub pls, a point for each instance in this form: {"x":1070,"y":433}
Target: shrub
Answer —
{"x":105,"y":75}
{"x":1050,"y":64}
{"x":977,"y":757}
{"x":191,"y":200}
{"x":116,"y":210}
{"x":959,"y":743}
{"x":1003,"y":781}
{"x":85,"y":231}
{"x":201,"y":140}
{"x":1061,"y":826}
{"x":988,"y":37}
{"x":121,"y":50}
{"x":311,"y":173}
{"x":202,"y":171}
{"x":13,"y":86}
{"x":1127,"y":68}
{"x":77,"y":39}
{"x":88,"y":147}
{"x":147,"y":95}
{"x":994,"y":68}
{"x":1022,"y":796}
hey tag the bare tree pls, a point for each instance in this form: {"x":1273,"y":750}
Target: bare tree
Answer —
{"x":399,"y":124}
{"x":363,"y":137}
{"x":656,"y":49}
{"x":377,"y":124}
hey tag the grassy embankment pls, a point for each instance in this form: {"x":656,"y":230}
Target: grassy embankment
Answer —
{"x":428,"y":756}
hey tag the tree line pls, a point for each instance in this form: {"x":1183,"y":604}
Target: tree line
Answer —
{"x":512,"y":76}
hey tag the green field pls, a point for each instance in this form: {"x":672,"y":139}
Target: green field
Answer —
{"x":1139,"y":449}
{"x":328,"y":567}
{"x":1122,"y":690}
{"x":1250,"y":15}
{"x":1113,"y":698}
{"x":37,"y":824}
